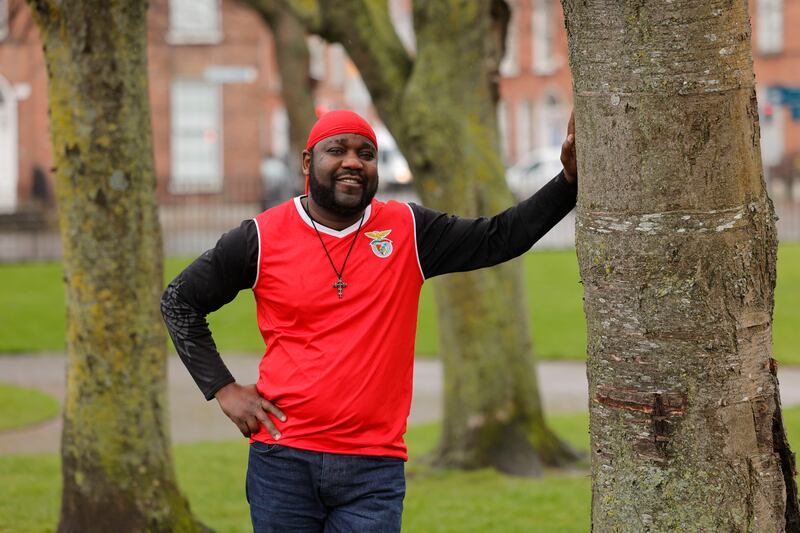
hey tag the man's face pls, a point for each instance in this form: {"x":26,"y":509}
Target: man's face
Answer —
{"x":343,"y":173}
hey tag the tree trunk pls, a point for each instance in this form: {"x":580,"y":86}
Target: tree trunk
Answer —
{"x":297,"y":87}
{"x":448,"y":127}
{"x":117,"y":467}
{"x":677,"y":245}
{"x":441,"y":108}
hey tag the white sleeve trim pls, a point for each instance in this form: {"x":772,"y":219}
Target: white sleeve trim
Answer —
{"x":416,"y":248}
{"x":258,"y":263}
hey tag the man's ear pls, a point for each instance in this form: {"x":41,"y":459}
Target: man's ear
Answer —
{"x":306,"y":162}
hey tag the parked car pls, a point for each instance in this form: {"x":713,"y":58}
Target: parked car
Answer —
{"x":278,"y":184}
{"x":393,"y":168}
{"x":534,"y":170}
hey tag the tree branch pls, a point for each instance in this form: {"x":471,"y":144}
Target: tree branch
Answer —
{"x":307,"y":11}
{"x":366,"y":31}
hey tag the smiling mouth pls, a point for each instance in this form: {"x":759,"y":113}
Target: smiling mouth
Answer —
{"x":350,"y":180}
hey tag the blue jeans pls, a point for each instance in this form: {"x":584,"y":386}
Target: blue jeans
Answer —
{"x":291,"y":490}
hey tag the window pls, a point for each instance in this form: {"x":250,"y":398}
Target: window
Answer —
{"x":542,"y":29}
{"x":338,"y":69}
{"x":194,"y":22}
{"x":502,"y":125}
{"x":552,"y":120}
{"x":524,"y":125}
{"x":280,"y":133}
{"x":196,"y":137}
{"x":356,"y":94}
{"x":510,"y":64}
{"x":3,"y":19}
{"x":769,"y":26}
{"x":316,"y":57}
{"x":771,"y":115}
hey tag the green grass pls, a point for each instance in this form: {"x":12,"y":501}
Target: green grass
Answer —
{"x":22,"y":406}
{"x":32,"y":309}
{"x":212,"y":477}
{"x":436,"y":500}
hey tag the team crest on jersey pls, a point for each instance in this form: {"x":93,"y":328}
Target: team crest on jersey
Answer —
{"x":381,"y":246}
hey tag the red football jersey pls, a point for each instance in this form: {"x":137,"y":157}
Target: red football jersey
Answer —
{"x":340,"y":369}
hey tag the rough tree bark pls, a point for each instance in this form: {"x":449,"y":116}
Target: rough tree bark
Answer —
{"x":441,"y":108}
{"x":117,"y":467}
{"x":297,"y":87}
{"x":677,"y":246}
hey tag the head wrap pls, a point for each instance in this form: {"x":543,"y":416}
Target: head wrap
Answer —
{"x":337,"y":122}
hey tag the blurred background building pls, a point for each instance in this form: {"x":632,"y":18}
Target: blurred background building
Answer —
{"x":220,"y":129}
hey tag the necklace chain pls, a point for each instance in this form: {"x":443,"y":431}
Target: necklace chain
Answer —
{"x":339,"y":285}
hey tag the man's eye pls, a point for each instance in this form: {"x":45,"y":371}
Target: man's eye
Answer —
{"x":369,"y":156}
{"x":335,"y":150}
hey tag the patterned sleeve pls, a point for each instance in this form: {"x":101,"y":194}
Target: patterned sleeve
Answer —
{"x":211,"y":281}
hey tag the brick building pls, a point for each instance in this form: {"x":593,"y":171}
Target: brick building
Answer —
{"x":215,"y":100}
{"x":217,"y":111}
{"x":537,"y":92}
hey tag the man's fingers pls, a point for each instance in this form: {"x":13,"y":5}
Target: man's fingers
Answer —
{"x":244,"y":429}
{"x":269,"y":425}
{"x":253,"y":425}
{"x":571,"y":125}
{"x":270,"y":407}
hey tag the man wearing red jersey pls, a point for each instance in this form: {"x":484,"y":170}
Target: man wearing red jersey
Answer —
{"x":327,"y":415}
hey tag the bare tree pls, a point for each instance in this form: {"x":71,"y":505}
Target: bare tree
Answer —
{"x":117,"y":464}
{"x":677,"y":246}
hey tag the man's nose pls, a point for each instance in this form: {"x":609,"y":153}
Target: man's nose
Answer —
{"x":352,"y":160}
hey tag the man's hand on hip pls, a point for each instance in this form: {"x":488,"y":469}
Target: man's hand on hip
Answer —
{"x":248,"y":409}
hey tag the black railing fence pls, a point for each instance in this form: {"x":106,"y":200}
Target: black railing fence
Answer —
{"x":191,"y":225}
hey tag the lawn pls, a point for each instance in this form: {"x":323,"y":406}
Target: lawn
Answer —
{"x":436,"y":501}
{"x":23,"y":406}
{"x":32,"y":309}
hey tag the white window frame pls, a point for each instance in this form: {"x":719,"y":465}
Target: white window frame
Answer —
{"x":9,"y":149}
{"x":509,"y":66}
{"x":769,"y":26}
{"x":551,"y":119}
{"x":179,"y":182}
{"x":279,"y":133}
{"x":542,"y":54}
{"x":188,"y":36}
{"x":502,"y":126}
{"x":316,"y":57}
{"x":4,"y":30}
{"x":523,"y":119}
{"x":338,"y":68}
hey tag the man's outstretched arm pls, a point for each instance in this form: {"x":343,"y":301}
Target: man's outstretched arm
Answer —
{"x":449,"y":243}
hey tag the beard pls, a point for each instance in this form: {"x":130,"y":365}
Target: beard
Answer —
{"x":325,"y":195}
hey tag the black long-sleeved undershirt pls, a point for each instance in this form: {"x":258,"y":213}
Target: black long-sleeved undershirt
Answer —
{"x":445,"y":243}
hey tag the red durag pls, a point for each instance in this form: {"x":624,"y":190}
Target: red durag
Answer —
{"x":337,"y":122}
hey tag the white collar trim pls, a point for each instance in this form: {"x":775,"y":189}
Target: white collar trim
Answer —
{"x":326,"y":230}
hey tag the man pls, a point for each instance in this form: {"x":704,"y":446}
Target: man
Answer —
{"x":336,"y":276}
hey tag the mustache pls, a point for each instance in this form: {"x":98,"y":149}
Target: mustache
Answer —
{"x":350,"y":173}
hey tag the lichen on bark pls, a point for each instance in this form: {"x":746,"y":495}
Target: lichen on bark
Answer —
{"x":116,"y":461}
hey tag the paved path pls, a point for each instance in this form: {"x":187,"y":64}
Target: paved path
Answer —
{"x":562,"y":383}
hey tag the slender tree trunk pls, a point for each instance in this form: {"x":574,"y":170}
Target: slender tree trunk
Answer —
{"x":297,"y":87}
{"x":117,"y":468}
{"x":676,"y":244}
